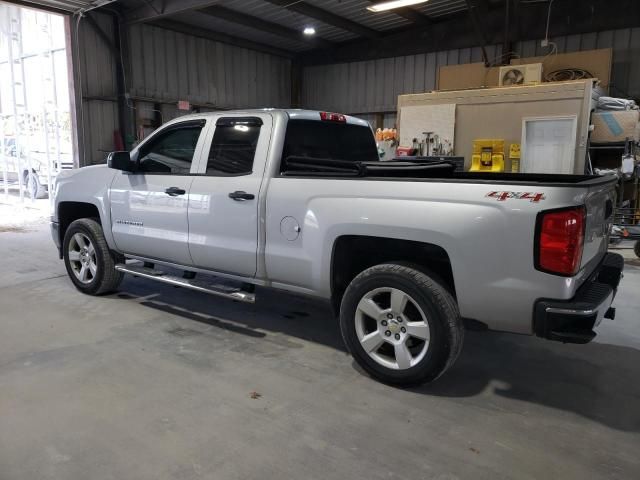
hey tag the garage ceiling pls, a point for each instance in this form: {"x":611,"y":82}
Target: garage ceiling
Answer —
{"x":279,"y":23}
{"x":347,"y":31}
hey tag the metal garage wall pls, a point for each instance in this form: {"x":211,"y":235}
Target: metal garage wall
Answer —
{"x":171,"y":66}
{"x":96,"y":74}
{"x":373,"y":86}
{"x":166,"y":67}
{"x":625,"y":74}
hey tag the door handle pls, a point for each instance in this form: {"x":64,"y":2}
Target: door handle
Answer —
{"x":240,"y":196}
{"x":173,"y":191}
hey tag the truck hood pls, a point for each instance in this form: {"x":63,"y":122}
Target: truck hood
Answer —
{"x":80,"y":171}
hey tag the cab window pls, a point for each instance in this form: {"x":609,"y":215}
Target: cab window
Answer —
{"x":170,"y":152}
{"x":233,"y":148}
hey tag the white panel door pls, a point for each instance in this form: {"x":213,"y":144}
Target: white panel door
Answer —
{"x":548,"y":144}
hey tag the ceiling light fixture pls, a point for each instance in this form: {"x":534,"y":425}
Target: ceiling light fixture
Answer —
{"x":390,"y":5}
{"x":309,"y":31}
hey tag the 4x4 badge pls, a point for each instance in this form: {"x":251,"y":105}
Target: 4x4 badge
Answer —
{"x":531,"y":196}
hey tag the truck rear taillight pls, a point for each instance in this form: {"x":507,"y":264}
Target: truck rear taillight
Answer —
{"x":559,"y":241}
{"x":333,"y":117}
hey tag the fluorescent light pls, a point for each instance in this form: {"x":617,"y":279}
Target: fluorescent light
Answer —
{"x":391,"y":4}
{"x":309,"y":31}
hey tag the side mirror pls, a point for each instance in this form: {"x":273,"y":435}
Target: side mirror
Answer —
{"x":120,"y":161}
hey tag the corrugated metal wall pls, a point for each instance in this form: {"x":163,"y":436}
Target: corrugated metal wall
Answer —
{"x":166,"y":67}
{"x":171,"y":66}
{"x":373,"y":86}
{"x":625,"y":74}
{"x":98,"y":117}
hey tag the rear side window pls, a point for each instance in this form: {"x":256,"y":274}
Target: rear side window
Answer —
{"x":328,"y":140}
{"x":234,"y":146}
{"x":171,"y":151}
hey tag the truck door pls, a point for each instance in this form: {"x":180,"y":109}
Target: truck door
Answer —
{"x":149,"y":206}
{"x":224,"y":201}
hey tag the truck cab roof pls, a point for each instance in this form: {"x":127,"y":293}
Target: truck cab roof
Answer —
{"x":291,"y":113}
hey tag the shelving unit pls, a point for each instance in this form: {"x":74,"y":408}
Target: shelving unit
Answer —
{"x":609,"y":156}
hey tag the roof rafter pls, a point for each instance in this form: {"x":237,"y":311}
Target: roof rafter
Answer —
{"x":219,"y":37}
{"x":158,"y":9}
{"x":327,"y":17}
{"x":263,"y":25}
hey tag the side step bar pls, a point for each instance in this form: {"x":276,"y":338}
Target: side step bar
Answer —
{"x":220,"y":290}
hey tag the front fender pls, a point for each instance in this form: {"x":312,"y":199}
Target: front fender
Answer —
{"x":87,"y":185}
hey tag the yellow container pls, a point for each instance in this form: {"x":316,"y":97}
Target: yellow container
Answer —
{"x":514,"y":156}
{"x":488,"y":155}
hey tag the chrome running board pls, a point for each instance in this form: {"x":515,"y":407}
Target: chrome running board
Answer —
{"x":221,"y":290}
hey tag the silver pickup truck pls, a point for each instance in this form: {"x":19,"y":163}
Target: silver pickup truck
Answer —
{"x":408,"y":253}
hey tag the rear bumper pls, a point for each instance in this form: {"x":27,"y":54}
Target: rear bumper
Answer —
{"x":572,"y":321}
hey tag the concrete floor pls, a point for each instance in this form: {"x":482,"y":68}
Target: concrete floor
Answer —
{"x":156,"y":383}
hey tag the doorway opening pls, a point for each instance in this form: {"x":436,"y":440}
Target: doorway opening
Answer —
{"x":36,"y":140}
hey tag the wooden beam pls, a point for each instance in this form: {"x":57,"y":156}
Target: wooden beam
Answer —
{"x":263,"y":25}
{"x":328,"y":18}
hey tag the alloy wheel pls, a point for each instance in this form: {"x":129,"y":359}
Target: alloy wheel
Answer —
{"x":82,"y":258}
{"x":392,"y":328}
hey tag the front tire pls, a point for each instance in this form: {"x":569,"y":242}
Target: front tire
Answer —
{"x":89,"y":262}
{"x":400,"y":325}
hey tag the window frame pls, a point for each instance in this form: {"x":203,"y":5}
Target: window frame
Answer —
{"x":229,"y":121}
{"x":195,"y":161}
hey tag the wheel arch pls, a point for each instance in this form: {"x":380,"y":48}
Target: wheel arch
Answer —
{"x":352,"y":254}
{"x":68,"y":212}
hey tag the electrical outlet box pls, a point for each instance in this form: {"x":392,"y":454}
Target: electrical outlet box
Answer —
{"x":544,"y":43}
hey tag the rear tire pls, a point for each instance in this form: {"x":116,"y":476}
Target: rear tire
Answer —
{"x":401,"y":325}
{"x":636,"y":248}
{"x":89,"y":262}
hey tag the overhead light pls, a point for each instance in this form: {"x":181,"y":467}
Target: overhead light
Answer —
{"x":309,"y":31}
{"x":391,"y":4}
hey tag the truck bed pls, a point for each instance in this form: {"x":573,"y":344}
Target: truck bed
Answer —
{"x":441,"y":171}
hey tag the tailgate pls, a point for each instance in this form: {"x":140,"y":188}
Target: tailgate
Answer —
{"x":599,"y":202}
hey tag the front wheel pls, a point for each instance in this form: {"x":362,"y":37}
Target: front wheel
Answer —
{"x":89,"y":262}
{"x":400,"y":325}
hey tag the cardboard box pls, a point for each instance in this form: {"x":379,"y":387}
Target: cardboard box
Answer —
{"x":615,"y":126}
{"x":476,"y":75}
